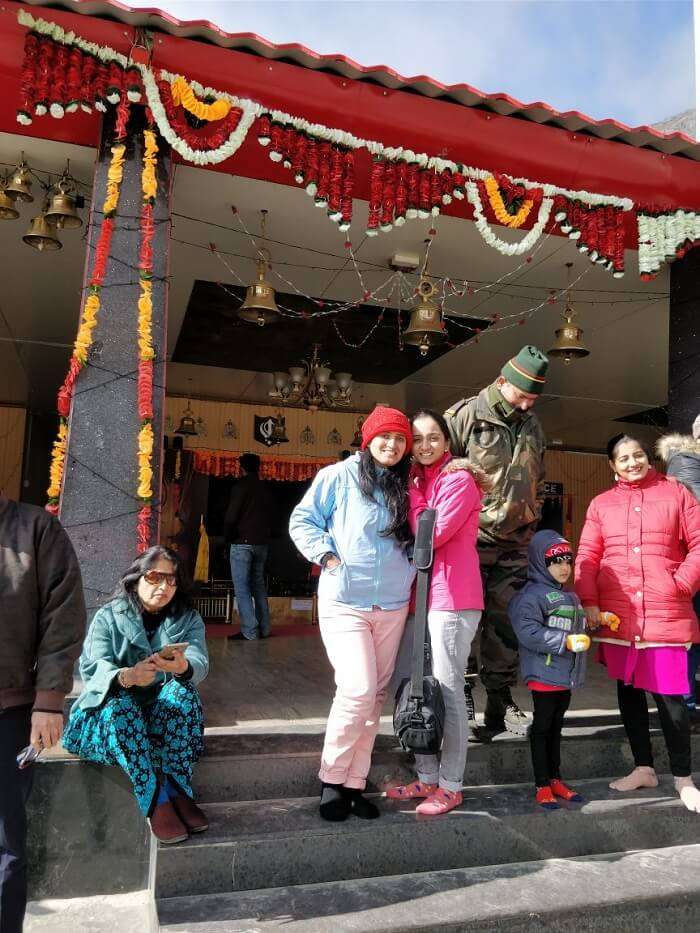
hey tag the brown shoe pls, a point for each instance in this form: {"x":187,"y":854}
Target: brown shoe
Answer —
{"x":190,"y":814}
{"x":166,"y":825}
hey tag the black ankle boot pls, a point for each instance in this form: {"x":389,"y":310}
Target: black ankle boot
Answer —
{"x":335,"y":805}
{"x":359,"y":805}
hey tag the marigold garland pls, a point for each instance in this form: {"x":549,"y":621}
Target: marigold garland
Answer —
{"x":91,"y":308}
{"x":499,"y":208}
{"x":182,"y":93}
{"x":146,"y":354}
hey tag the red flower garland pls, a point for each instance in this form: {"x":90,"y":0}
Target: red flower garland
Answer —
{"x":311,"y":167}
{"x":221,"y":463}
{"x":424,"y":193}
{"x":43,"y":76}
{"x":276,"y":142}
{"x":401,"y":193}
{"x":299,"y":158}
{"x":58,"y":84}
{"x":376,"y":189}
{"x":74,"y":79}
{"x":348,"y":189}
{"x":335,"y":185}
{"x":413,"y":190}
{"x":115,"y":83}
{"x":196,"y":139}
{"x":28,"y":78}
{"x":264,"y":129}
{"x":99,"y":86}
{"x":290,"y":139}
{"x":388,"y":197}
{"x":435,"y":192}
{"x":324,"y":174}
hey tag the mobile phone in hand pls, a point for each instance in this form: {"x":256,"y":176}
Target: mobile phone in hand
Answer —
{"x":27,"y":757}
{"x":167,"y":652}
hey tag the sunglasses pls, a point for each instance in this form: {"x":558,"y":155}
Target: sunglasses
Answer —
{"x":560,"y":559}
{"x":156,"y":577}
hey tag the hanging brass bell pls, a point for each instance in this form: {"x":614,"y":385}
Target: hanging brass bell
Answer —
{"x":19,"y":186}
{"x":42,"y":235}
{"x":62,"y":212}
{"x":425,"y":328}
{"x":188,"y":426}
{"x":569,"y":345}
{"x":259,"y":305}
{"x":8,"y":211}
{"x":279,"y":431}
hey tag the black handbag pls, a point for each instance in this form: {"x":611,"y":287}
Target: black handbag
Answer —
{"x":419,"y":711}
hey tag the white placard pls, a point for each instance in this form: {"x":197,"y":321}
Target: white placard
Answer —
{"x":302,"y":604}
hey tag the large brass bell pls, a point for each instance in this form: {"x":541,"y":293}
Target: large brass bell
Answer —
{"x":259,"y":305}
{"x":19,"y":186}
{"x":62,"y":213}
{"x":8,"y":211}
{"x":42,"y":235}
{"x":569,"y":345}
{"x":425,"y":328}
{"x":187,"y":425}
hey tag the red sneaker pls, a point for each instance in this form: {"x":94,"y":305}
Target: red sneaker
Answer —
{"x":559,"y":789}
{"x":545,"y":798}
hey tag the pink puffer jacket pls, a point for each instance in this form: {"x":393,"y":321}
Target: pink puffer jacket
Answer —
{"x":639,"y":557}
{"x":456,"y":578}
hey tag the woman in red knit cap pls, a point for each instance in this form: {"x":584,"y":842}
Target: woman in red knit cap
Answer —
{"x":353,"y":521}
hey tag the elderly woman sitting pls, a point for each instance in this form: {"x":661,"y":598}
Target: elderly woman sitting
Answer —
{"x":140,"y":708}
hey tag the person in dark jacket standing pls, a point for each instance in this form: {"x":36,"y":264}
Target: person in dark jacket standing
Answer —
{"x":681,"y":454}
{"x":550,"y":624}
{"x":42,"y":624}
{"x":247,"y":528}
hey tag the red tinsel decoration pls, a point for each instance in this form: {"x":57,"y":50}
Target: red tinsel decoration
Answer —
{"x":43,"y":76}
{"x":619,"y":254}
{"x":401,"y":193}
{"x":264,"y":129}
{"x":335,"y":185}
{"x":348,"y":189}
{"x":276,"y":142}
{"x":290,"y":139}
{"x":324,"y":173}
{"x":144,"y":389}
{"x":435,"y":192}
{"x":115,"y":83}
{"x":74,"y":79}
{"x":299,"y":159}
{"x":122,"y":119}
{"x":388,"y":197}
{"x":99,"y":84}
{"x":413,"y":190}
{"x":446,"y":185}
{"x":58,"y":84}
{"x":28,"y":77}
{"x":610,"y":233}
{"x":575,"y":215}
{"x":143,"y":529}
{"x":424,"y":193}
{"x":311,"y":167}
{"x":601,"y":229}
{"x":89,"y":87}
{"x":376,"y":189}
{"x":102,"y":251}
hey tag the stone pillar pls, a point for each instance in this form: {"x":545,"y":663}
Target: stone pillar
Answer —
{"x":684,"y":343}
{"x":99,"y":506}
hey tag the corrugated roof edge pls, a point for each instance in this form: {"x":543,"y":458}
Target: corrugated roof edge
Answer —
{"x":676,"y":143}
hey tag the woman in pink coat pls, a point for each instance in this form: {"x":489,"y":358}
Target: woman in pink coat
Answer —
{"x":639,"y":557}
{"x":455,"y":603}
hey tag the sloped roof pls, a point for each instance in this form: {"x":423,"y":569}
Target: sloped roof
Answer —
{"x":672,"y":143}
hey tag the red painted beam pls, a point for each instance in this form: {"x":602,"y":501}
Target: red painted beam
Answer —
{"x":485,"y":140}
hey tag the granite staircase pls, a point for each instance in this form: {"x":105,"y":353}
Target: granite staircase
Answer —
{"x":268,"y":863}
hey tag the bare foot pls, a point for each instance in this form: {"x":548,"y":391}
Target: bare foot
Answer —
{"x":688,"y":793}
{"x":640,"y":777}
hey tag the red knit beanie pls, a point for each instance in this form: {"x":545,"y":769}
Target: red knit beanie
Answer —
{"x":383,"y":420}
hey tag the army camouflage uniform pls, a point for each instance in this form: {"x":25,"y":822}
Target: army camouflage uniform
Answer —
{"x":509,"y":446}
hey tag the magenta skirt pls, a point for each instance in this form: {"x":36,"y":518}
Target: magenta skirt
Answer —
{"x":658,"y":670}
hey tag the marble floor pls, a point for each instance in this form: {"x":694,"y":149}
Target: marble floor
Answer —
{"x":286,"y":682}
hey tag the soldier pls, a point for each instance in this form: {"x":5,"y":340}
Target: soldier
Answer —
{"x":497,"y":431}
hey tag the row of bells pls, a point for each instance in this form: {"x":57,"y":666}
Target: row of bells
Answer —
{"x":425,"y":330}
{"x":59,"y":214}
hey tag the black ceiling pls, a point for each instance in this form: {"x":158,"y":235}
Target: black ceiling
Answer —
{"x":213,"y":335}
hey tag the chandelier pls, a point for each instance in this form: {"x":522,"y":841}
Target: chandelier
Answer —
{"x":313,"y":384}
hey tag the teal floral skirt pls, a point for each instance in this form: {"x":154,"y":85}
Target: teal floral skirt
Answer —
{"x":150,"y":741}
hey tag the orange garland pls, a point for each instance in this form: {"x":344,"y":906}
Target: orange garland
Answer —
{"x":498,"y":206}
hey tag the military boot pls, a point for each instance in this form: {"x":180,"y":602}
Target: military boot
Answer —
{"x":493,"y":719}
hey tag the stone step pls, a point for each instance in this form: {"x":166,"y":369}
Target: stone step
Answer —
{"x":259,"y":844}
{"x":238,"y":768}
{"x":652,"y":890}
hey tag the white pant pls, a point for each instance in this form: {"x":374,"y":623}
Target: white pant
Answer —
{"x":451,"y":635}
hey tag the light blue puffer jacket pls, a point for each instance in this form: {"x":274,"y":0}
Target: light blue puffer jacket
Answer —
{"x":335,"y":516}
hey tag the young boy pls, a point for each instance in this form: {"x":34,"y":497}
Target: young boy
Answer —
{"x":550,"y":625}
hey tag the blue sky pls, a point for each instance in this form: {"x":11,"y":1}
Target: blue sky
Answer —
{"x":628,"y":59}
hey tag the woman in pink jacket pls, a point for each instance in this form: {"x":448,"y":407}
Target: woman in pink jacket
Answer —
{"x":456,"y":600}
{"x":639,"y":557}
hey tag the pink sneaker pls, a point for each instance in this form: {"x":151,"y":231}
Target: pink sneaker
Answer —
{"x":442,"y":801}
{"x":411,"y":791}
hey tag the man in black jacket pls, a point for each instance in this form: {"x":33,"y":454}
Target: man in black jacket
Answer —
{"x":247,"y":528}
{"x":42,"y":625}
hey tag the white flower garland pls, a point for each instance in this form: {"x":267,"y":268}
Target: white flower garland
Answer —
{"x":251,"y":111}
{"x":659,"y":237}
{"x":507,"y":249}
